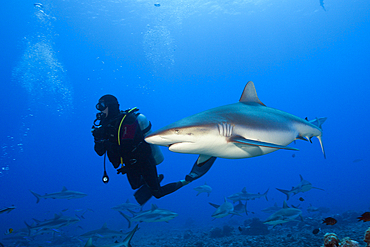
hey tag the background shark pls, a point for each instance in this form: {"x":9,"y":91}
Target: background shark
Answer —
{"x":125,"y":243}
{"x":203,"y":189}
{"x":64,"y":194}
{"x":283,"y":215}
{"x":51,"y":224}
{"x":103,"y":232}
{"x":223,"y":210}
{"x":7,"y":209}
{"x":245,"y":196}
{"x":127,"y":205}
{"x":303,"y":186}
{"x":240,"y":130}
{"x":155,"y":214}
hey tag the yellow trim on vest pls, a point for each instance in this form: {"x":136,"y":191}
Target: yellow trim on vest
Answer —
{"x":119,"y":130}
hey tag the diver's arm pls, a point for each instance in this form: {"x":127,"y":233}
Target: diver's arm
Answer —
{"x":100,"y":147}
{"x":100,"y":141}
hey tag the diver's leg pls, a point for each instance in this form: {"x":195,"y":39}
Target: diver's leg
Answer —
{"x":199,"y":170}
{"x":148,"y":171}
{"x":134,"y":178}
{"x":152,"y":180}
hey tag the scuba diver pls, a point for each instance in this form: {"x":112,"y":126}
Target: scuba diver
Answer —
{"x":120,"y":135}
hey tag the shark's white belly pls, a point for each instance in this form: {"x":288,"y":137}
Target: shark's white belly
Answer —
{"x":219,"y":146}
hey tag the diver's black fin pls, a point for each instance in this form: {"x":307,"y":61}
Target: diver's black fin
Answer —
{"x":143,"y":194}
{"x":200,"y":169}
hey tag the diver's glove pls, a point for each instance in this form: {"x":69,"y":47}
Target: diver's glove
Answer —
{"x":98,"y":133}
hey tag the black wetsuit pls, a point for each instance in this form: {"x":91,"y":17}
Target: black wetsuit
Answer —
{"x":133,"y":151}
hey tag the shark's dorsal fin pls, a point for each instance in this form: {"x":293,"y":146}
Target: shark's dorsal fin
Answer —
{"x":104,"y":226}
{"x":249,"y":94}
{"x":127,"y":201}
{"x":64,"y":189}
{"x":154,"y":207}
{"x":37,"y":221}
{"x":244,"y":190}
{"x":89,"y":243}
{"x":285,"y":205}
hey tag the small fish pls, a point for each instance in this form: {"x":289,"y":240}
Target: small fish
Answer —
{"x":316,"y":231}
{"x":157,"y":4}
{"x":38,"y":5}
{"x":356,"y":160}
{"x":364,"y":217}
{"x":10,"y":230}
{"x":329,"y":221}
{"x":301,"y":199}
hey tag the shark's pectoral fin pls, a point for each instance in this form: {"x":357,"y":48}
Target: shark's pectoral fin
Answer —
{"x":317,"y":188}
{"x":242,"y":140}
{"x":202,"y":158}
{"x":214,"y":205}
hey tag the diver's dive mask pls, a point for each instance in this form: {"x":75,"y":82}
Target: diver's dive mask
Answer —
{"x":101,"y":106}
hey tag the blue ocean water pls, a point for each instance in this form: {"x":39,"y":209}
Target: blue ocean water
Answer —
{"x":171,"y":61}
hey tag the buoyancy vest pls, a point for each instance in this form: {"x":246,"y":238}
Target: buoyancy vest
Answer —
{"x":129,"y":137}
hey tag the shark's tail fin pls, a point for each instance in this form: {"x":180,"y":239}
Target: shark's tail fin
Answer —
{"x":36,"y":195}
{"x":28,"y":228}
{"x":126,"y":241}
{"x":286,"y":192}
{"x":319,"y":122}
{"x":127,"y":218}
{"x":265,"y":194}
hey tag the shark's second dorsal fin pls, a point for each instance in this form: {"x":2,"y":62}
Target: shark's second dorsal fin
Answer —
{"x":249,"y":94}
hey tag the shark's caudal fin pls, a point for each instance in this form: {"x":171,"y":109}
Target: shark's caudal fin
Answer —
{"x":126,"y":241}
{"x":318,"y":122}
{"x":28,"y":228}
{"x":265,"y":194}
{"x":127,"y":218}
{"x":36,"y":195}
{"x":286,"y":192}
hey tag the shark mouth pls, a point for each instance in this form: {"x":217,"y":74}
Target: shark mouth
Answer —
{"x":177,"y":143}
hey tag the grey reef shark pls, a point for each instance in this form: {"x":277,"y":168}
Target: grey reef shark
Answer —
{"x":244,"y":129}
